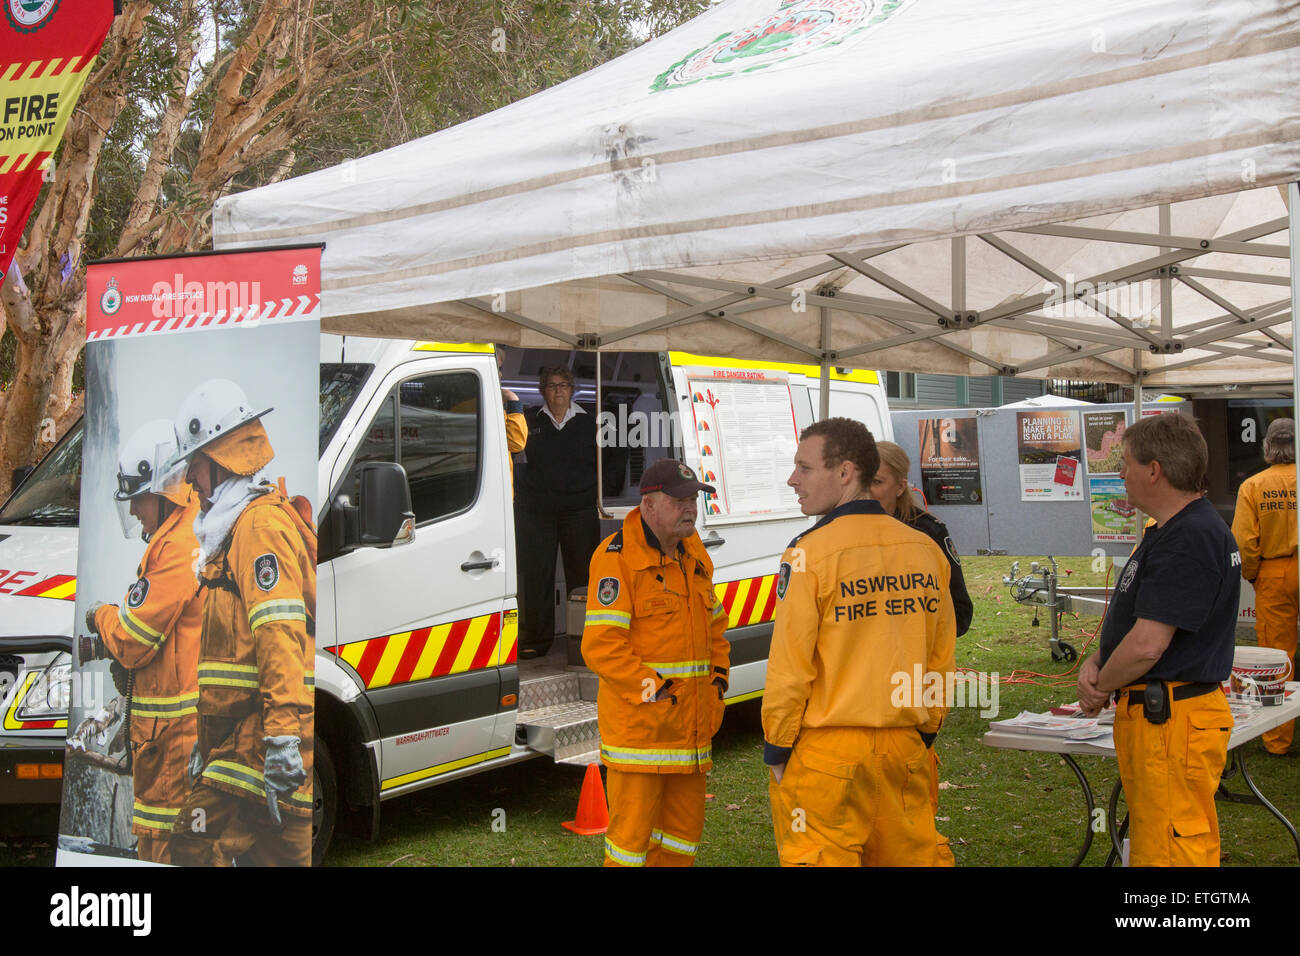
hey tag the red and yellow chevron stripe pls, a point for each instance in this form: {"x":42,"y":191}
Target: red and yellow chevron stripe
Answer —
{"x":749,"y":600}
{"x":60,"y":587}
{"x":452,"y":648}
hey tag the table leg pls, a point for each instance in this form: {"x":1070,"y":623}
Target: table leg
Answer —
{"x":1092,"y":805}
{"x":1116,"y":854}
{"x":1239,"y":765}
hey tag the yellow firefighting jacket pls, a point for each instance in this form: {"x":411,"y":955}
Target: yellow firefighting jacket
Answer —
{"x":654,"y":635}
{"x":864,"y":627}
{"x":255,"y":666}
{"x":1264,"y":523}
{"x":516,"y":440}
{"x":155,"y":634}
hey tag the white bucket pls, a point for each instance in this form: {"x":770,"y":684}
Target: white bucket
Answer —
{"x":1260,"y":672}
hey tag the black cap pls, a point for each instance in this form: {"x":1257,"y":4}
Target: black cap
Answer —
{"x":673,"y":478}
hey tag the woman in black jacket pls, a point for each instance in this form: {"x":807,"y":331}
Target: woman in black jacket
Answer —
{"x":891,"y":489}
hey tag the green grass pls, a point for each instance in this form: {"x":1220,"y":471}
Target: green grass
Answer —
{"x":998,"y":807}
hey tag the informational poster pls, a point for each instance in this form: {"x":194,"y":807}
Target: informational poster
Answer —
{"x":1103,"y":434}
{"x":746,"y":435}
{"x":49,"y":50}
{"x":950,"y":461}
{"x":191,"y":725}
{"x":1113,"y":517}
{"x":1050,"y":449}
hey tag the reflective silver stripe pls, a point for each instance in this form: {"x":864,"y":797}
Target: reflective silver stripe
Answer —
{"x":210,"y":676}
{"x":676,"y":844}
{"x":655,"y":757}
{"x":164,"y":706}
{"x":625,"y":857}
{"x":271,"y":611}
{"x":719,"y":610}
{"x":246,"y":778}
{"x":132,"y":625}
{"x":156,"y":818}
{"x":681,"y":668}
{"x":608,"y":619}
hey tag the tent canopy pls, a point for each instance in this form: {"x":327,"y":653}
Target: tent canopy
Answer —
{"x":1070,"y":190}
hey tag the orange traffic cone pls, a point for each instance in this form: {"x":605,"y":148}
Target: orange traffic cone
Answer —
{"x":593,"y":813}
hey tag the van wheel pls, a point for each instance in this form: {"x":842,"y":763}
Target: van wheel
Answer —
{"x":325,"y":796}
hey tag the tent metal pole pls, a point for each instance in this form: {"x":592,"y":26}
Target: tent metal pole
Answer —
{"x":1293,"y":216}
{"x":1139,"y":516}
{"x":824,"y":397}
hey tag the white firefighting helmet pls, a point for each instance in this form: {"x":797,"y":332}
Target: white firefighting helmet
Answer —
{"x":146,"y":465}
{"x":210,"y":413}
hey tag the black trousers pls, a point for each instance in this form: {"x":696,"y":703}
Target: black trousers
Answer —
{"x":537,"y":533}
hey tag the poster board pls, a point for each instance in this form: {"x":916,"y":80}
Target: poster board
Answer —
{"x":209,"y":341}
{"x":744,"y":426}
{"x":950,"y":461}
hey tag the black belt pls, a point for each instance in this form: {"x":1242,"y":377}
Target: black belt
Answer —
{"x":1179,"y":693}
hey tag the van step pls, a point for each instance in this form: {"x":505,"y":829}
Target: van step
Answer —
{"x":548,"y":690}
{"x":567,"y":731}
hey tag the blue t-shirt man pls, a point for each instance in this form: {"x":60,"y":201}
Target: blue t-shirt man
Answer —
{"x":1187,"y":574}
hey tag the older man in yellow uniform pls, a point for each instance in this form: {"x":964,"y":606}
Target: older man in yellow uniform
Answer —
{"x":654,"y":635}
{"x":864,"y":625}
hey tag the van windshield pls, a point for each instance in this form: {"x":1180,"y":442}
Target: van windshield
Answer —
{"x":51,"y":495}
{"x":340,"y":383}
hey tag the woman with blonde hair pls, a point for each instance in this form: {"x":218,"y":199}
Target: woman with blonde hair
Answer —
{"x":890,"y":487}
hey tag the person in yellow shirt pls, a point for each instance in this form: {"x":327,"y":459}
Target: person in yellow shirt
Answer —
{"x":1265,"y":528}
{"x":865,"y":633}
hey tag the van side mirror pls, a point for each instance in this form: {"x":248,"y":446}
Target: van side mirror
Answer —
{"x":382,"y":515}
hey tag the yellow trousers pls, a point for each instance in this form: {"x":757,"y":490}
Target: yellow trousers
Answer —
{"x":857,"y":796}
{"x":1170,"y":773}
{"x":655,"y":819}
{"x":1275,"y":626}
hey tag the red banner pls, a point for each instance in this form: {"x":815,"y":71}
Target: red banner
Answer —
{"x":137,"y":297}
{"x":48,"y":49}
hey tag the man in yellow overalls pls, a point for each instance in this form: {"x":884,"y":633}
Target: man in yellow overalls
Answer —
{"x":865,"y":631}
{"x":1265,"y":528}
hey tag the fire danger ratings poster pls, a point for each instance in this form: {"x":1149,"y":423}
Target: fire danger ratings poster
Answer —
{"x":745,"y":431}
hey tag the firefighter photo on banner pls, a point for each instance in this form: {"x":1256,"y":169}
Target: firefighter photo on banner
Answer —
{"x":190,"y":730}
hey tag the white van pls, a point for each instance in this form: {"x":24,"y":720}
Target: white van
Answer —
{"x":416,"y":671}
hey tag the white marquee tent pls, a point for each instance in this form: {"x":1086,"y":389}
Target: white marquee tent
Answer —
{"x":1070,"y":190}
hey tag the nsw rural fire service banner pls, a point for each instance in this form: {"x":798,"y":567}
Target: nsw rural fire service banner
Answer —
{"x":48,"y":49}
{"x":190,"y":730}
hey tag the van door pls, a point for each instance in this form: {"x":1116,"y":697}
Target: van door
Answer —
{"x":745,"y":547}
{"x":424,"y":625}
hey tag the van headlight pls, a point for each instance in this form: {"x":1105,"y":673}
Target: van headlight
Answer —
{"x":49,"y":695}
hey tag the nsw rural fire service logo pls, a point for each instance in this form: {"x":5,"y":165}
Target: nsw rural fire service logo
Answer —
{"x":111,"y":300}
{"x":28,"y":16}
{"x":139,"y":591}
{"x":266,"y":571}
{"x":797,"y":27}
{"x":607,"y":593}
